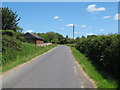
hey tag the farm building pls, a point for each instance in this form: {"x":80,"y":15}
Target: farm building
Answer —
{"x":32,"y":38}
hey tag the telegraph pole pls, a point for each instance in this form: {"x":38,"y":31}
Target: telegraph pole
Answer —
{"x":73,"y":31}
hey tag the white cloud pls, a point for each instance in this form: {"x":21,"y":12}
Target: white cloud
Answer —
{"x":117,"y":17}
{"x":89,"y":33}
{"x":83,"y":26}
{"x":101,"y":30}
{"x":69,"y":24}
{"x":93,"y":8}
{"x":30,"y":31}
{"x":76,"y":32}
{"x":106,"y":17}
{"x":56,"y":17}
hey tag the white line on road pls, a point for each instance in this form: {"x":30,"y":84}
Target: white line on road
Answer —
{"x":75,"y":70}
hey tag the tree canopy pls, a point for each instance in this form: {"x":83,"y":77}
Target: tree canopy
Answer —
{"x":10,"y":20}
{"x":52,"y":37}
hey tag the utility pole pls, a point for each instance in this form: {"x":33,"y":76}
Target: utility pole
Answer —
{"x":73,"y":31}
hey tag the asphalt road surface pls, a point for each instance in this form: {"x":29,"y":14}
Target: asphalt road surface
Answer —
{"x":55,"y":69}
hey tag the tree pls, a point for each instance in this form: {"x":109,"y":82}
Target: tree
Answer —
{"x":55,"y":40}
{"x":83,"y":37}
{"x":43,"y":35}
{"x":52,"y":37}
{"x":77,"y":39}
{"x":60,"y":38}
{"x":66,"y":40}
{"x":10,"y":20}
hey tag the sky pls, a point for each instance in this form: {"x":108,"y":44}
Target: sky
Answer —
{"x":89,"y":18}
{"x":60,"y":0}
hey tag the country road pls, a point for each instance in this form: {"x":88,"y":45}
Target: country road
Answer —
{"x":55,"y":69}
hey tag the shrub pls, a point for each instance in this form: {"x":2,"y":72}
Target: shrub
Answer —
{"x":20,"y":37}
{"x":103,"y":51}
{"x":9,"y":44}
{"x":8,"y":32}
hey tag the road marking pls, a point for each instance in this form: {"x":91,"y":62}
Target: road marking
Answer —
{"x":75,"y":70}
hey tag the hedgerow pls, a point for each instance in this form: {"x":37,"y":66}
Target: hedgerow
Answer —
{"x":104,"y":52}
{"x":16,"y":52}
{"x":8,"y":32}
{"x":10,"y":47}
{"x":14,"y":48}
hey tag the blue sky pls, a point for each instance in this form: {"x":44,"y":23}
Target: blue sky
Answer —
{"x":60,"y":0}
{"x":89,"y":18}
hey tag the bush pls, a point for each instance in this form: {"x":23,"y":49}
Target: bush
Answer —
{"x":9,"y":45}
{"x":104,"y":51}
{"x":20,"y":37}
{"x":14,"y":50}
{"x":17,"y":35}
{"x":8,"y":32}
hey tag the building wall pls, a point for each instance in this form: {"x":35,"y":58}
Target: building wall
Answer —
{"x":39,"y":42}
{"x":30,"y":40}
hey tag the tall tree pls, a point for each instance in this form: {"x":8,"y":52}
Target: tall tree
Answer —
{"x":43,"y":35}
{"x":10,"y":20}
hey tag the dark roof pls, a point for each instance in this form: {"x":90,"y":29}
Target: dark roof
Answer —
{"x":31,"y":35}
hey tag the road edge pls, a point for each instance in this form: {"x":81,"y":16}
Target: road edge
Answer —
{"x":4,"y":74}
{"x":81,"y":69}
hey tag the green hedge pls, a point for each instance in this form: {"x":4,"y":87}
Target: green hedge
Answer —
{"x":17,"y":35}
{"x":10,"y":47}
{"x":14,"y":49}
{"x":104,"y":52}
{"x":8,"y":32}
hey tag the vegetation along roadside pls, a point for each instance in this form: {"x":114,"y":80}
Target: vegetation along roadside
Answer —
{"x":27,"y":52}
{"x":16,"y":52}
{"x":91,"y":71}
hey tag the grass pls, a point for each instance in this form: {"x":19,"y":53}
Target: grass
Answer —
{"x":67,"y":44}
{"x":91,"y":71}
{"x":71,"y":45}
{"x":28,"y":52}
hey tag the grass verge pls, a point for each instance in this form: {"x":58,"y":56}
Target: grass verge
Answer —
{"x":28,"y":52}
{"x":67,"y":44}
{"x":91,"y":71}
